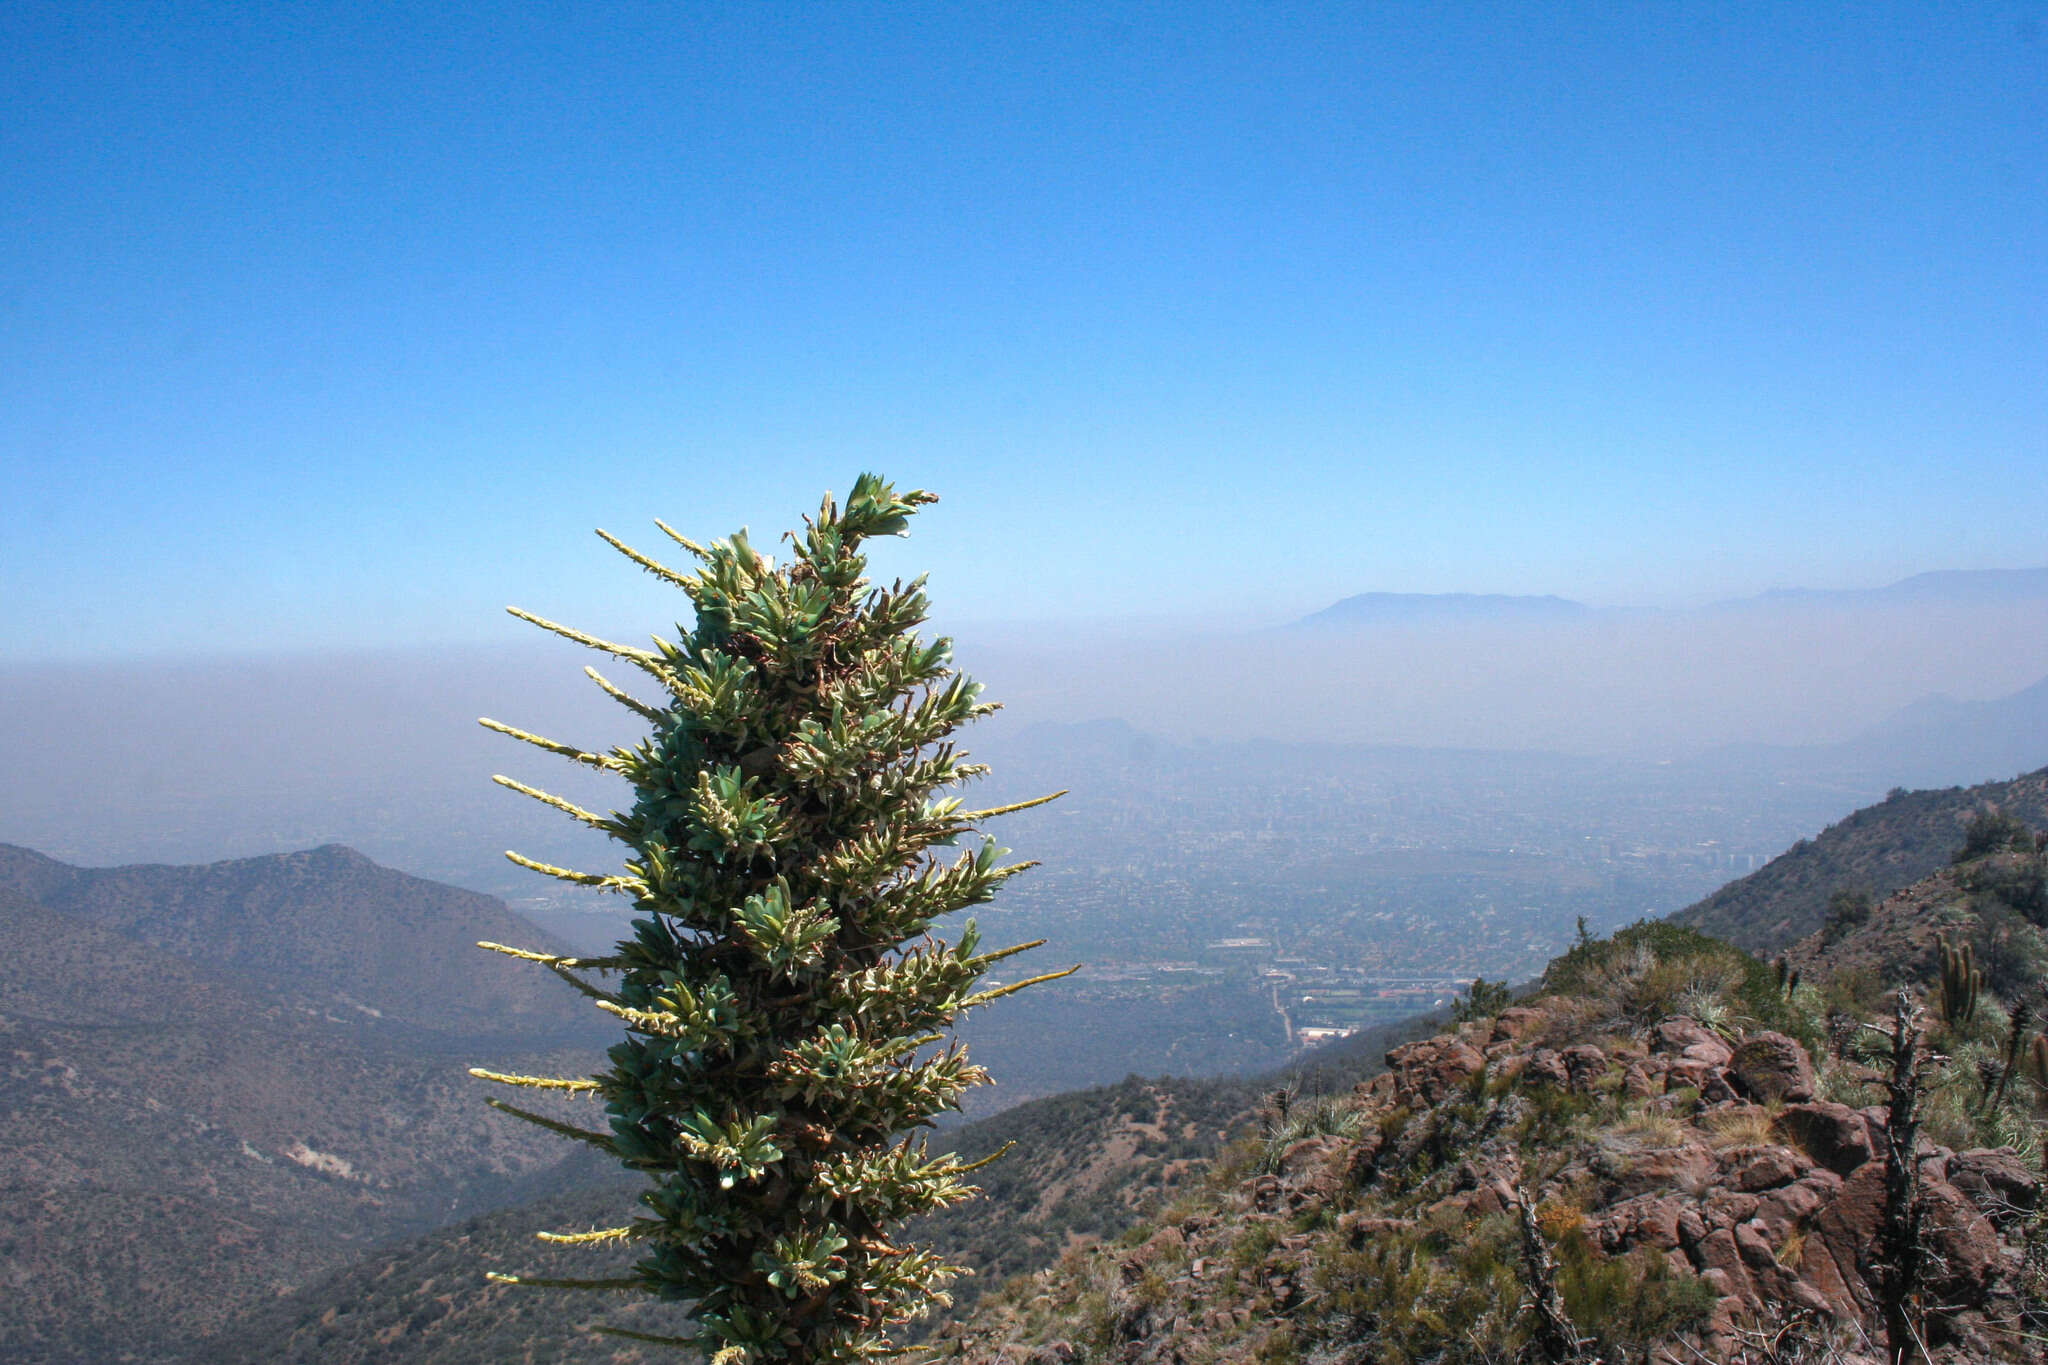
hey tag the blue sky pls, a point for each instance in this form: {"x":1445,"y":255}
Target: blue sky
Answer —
{"x":331,"y":325}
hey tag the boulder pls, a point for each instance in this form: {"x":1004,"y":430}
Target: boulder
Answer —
{"x":1648,"y":1221}
{"x":1845,"y":1233}
{"x":1789,"y":1207}
{"x":1966,"y":1260}
{"x":1834,"y":1135}
{"x":1434,"y":1067}
{"x":1715,"y":1089}
{"x":1515,"y":1023}
{"x":1765,"y":1168}
{"x":1583,"y":1065}
{"x":1771,"y":1066}
{"x":1674,"y":1036}
{"x":1998,"y":1183}
{"x":1687,"y":1071}
{"x":1666,"y":1170}
{"x":1545,"y":1067}
{"x":1717,"y":1255}
{"x":1724,"y":1208}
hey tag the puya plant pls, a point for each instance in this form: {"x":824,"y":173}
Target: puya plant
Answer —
{"x":784,"y":1003}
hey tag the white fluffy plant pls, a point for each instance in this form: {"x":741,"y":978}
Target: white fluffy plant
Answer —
{"x":781,"y":996}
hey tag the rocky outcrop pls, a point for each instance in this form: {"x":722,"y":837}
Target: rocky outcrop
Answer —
{"x":1709,"y":1154}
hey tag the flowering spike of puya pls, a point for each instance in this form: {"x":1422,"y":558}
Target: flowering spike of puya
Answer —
{"x":788,"y":847}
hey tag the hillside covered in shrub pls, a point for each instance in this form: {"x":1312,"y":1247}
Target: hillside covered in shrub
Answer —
{"x":1672,"y":1152}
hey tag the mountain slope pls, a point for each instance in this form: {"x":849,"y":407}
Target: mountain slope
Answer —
{"x":184,"y":1140}
{"x":425,"y":1302}
{"x":330,"y":925}
{"x":1085,"y":1165}
{"x":1669,"y":1155}
{"x":1699,"y":1159}
{"x":1878,"y":850}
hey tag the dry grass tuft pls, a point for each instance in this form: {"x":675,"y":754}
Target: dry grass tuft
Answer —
{"x":1739,"y":1126}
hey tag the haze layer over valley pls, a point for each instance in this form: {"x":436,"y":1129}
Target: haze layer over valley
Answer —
{"x":1269,"y":835}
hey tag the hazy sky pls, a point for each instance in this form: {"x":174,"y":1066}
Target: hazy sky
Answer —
{"x":321,"y":324}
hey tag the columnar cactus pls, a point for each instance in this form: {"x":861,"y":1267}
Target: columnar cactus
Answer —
{"x":1961,"y":982}
{"x":784,"y":1004}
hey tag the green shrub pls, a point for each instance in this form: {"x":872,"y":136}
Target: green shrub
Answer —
{"x":1847,"y":908}
{"x":1411,"y":1296}
{"x":1629,"y":1302}
{"x":1993,"y":831}
{"x":1484,"y":1000}
{"x":2016,"y":881}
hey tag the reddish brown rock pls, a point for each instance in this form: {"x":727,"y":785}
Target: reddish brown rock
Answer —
{"x":1998,"y":1183}
{"x":1833,"y":1134}
{"x":1730,"y":1312}
{"x":1434,"y":1067}
{"x":1775,"y":1281}
{"x":1665,"y":1171}
{"x":1765,"y":1168}
{"x":1545,"y":1067}
{"x":1636,"y":1082}
{"x":1674,"y":1036}
{"x":1648,"y":1221}
{"x":1684,"y":1071}
{"x":1712,"y":1051}
{"x":1966,"y":1260}
{"x":1783,"y":1210}
{"x":1724,"y":1208}
{"x":1845,"y":1230}
{"x":1515,"y":1023}
{"x":1759,"y":1258}
{"x":1771,"y":1066}
{"x":1717,"y":1254}
{"x":1583,"y":1064}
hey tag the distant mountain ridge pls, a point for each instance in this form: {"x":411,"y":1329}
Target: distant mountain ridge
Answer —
{"x":1434,"y":608}
{"x":1937,"y":741}
{"x":1952,"y":587}
{"x":330,"y":924}
{"x":1949,"y":586}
